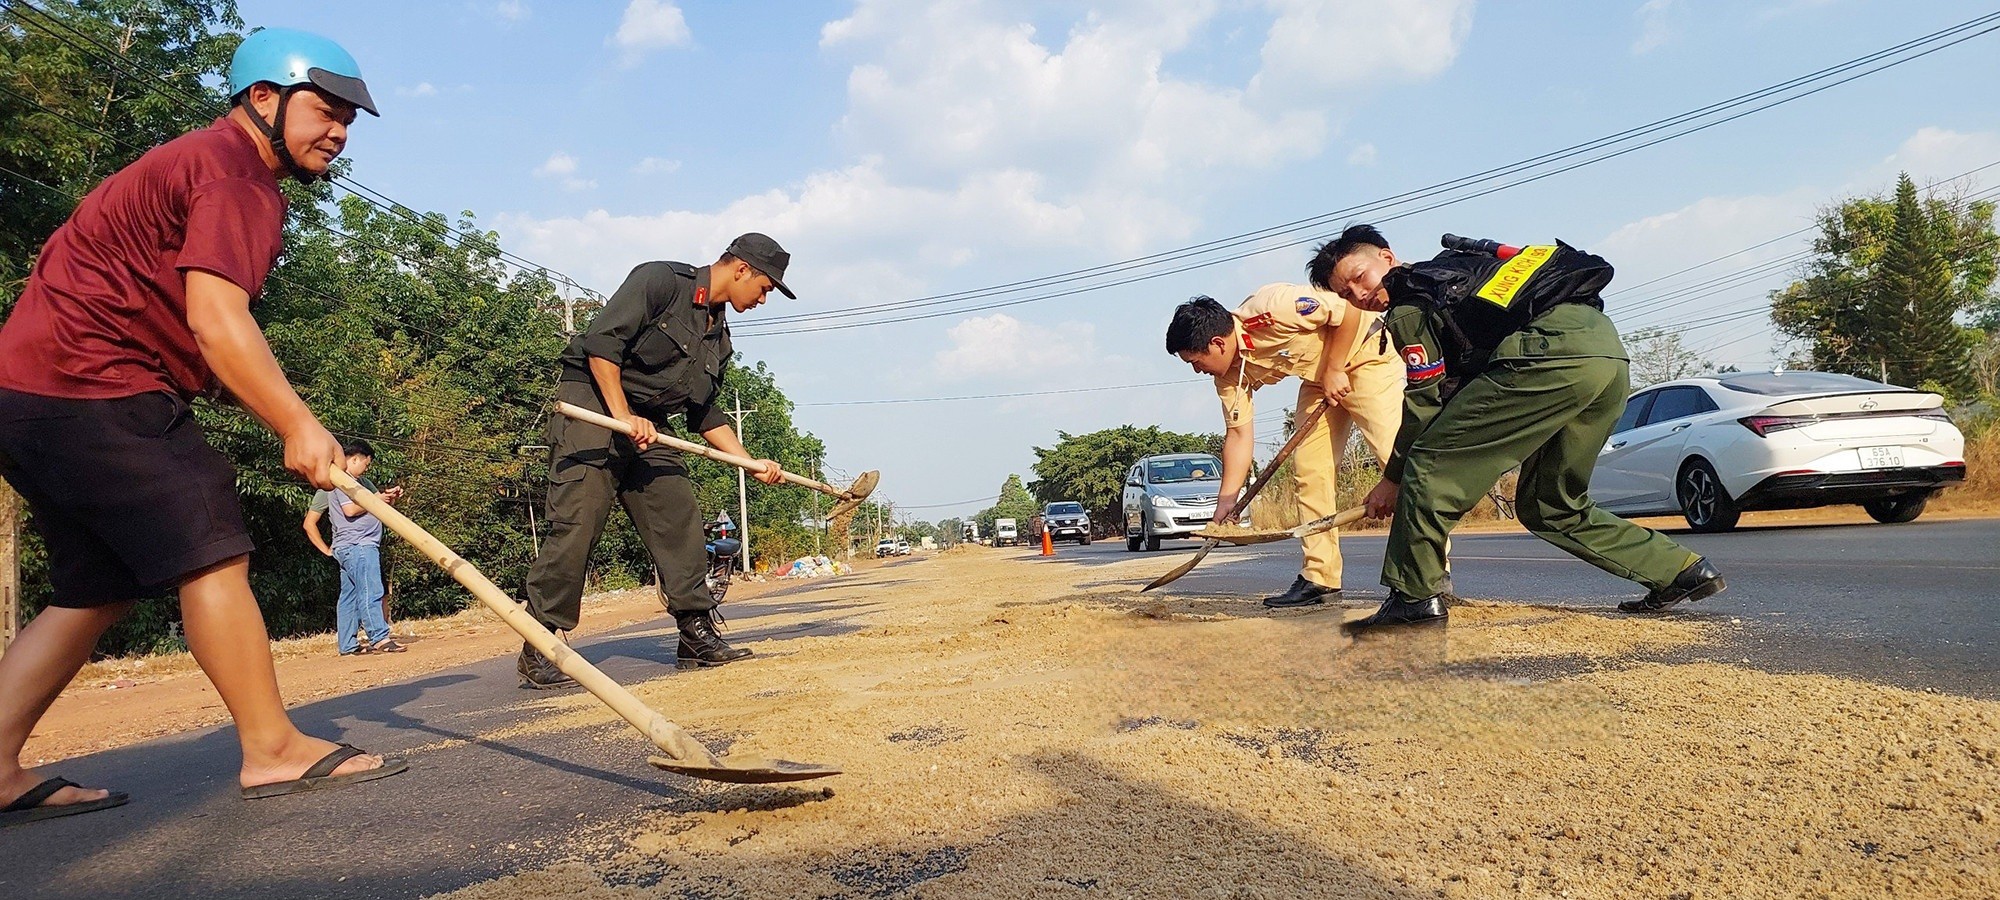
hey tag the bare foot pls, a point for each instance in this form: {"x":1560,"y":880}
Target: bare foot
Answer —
{"x":292,"y":762}
{"x":20,"y":781}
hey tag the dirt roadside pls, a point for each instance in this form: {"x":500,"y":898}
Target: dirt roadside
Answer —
{"x":1018,"y":727}
{"x":118,"y":702}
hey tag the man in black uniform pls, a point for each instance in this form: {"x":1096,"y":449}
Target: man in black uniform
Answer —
{"x":657,"y":348}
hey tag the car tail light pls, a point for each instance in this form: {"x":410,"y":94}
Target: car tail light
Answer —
{"x":1935,"y":414}
{"x":1765,"y":425}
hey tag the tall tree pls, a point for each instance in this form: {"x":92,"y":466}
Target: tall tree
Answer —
{"x":1660,"y":354}
{"x":1090,"y":468}
{"x":1888,"y":280}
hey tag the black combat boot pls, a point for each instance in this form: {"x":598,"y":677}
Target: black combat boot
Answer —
{"x":701,"y":644}
{"x":539,"y":672}
{"x":1302,"y":593}
{"x":1399,"y":611}
{"x":1695,"y":582}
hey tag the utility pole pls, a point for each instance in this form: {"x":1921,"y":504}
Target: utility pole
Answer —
{"x":742,"y":486}
{"x":10,"y":564}
{"x":820,"y":524}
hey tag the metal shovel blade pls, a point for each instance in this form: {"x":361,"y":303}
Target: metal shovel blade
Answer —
{"x":744,"y":770}
{"x":1183,"y":568}
{"x":862,"y":487}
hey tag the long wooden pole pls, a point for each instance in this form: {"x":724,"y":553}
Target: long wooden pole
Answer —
{"x":10,"y":564}
{"x":742,"y":462}
{"x":670,"y":738}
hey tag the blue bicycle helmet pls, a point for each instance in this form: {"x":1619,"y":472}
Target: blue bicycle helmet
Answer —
{"x":291,"y":59}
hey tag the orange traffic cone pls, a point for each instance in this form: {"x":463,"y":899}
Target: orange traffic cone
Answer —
{"x":1048,"y":546}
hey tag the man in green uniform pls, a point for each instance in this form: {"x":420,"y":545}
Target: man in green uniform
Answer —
{"x":1510,"y":362}
{"x":658,"y":348}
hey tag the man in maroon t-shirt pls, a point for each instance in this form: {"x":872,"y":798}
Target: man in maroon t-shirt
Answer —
{"x":138,"y":304}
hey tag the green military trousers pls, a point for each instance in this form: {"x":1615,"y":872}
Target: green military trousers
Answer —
{"x":590,"y":467}
{"x":1551,"y":417}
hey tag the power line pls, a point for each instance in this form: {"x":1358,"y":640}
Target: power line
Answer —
{"x":1950,"y":37}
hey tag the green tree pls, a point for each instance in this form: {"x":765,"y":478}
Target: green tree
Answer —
{"x":1887,"y":282}
{"x":1014,"y":503}
{"x":1090,"y":468}
{"x":1660,"y":354}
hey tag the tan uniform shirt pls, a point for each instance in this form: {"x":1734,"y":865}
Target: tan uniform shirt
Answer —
{"x":1281,"y":331}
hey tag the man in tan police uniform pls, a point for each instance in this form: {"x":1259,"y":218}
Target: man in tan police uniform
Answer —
{"x":1284,"y":330}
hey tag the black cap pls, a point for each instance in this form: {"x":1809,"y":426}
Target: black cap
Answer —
{"x":764,"y":255}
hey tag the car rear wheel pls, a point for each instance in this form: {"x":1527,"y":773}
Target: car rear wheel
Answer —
{"x":1897,"y":510}
{"x":1706,"y":505}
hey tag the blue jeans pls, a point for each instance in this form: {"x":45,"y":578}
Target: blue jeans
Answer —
{"x":360,"y":595}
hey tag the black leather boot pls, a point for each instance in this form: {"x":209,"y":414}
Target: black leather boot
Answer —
{"x":701,"y":645}
{"x":1302,"y":593}
{"x":539,"y":673}
{"x":1399,"y":611}
{"x":1697,"y":581}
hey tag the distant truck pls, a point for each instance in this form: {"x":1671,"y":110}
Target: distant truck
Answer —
{"x":1004,"y":533}
{"x":1064,"y":520}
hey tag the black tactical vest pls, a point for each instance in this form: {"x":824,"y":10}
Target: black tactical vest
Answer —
{"x":1475,"y":299}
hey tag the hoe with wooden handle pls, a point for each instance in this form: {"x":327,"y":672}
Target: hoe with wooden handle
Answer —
{"x":1299,"y":431}
{"x":683,"y":753}
{"x":850,"y":499}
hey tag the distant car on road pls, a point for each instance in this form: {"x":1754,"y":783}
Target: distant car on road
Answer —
{"x":1005,"y":534}
{"x":902,"y":547}
{"x":1065,"y":521}
{"x":1711,"y":448}
{"x":1169,"y":496}
{"x":885,"y":547}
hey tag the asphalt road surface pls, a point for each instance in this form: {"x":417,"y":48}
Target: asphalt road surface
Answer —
{"x":1914,"y":605}
{"x":1910,"y":605}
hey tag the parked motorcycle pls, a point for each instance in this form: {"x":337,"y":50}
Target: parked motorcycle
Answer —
{"x":722,"y":551}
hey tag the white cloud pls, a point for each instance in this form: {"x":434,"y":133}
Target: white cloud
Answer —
{"x":1314,"y":45}
{"x":421,"y":89}
{"x":650,"y":25}
{"x":653,"y":165}
{"x":854,"y":233}
{"x":1936,"y":154}
{"x":563,"y":167}
{"x":512,"y":10}
{"x":1001,"y":345}
{"x":1362,"y":155}
{"x":1656,"y":27}
{"x":979,"y":142}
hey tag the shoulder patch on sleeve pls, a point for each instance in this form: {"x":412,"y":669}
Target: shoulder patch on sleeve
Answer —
{"x":1307,"y":306}
{"x":1417,"y":363}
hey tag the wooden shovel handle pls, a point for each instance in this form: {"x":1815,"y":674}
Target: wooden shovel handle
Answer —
{"x":670,"y":738}
{"x":1300,"y":428}
{"x":742,"y":462}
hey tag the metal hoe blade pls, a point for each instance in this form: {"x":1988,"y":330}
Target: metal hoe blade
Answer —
{"x":1183,"y":568}
{"x":747,"y":770}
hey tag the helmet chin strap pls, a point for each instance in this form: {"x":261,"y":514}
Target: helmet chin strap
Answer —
{"x":274,"y":131}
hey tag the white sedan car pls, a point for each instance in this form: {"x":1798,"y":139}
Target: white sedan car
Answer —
{"x":1713,"y":447}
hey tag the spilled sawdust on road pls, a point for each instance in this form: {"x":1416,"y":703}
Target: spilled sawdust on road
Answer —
{"x":1013,"y":727}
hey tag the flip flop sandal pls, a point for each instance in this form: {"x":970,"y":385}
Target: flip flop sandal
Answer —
{"x":320,"y":775}
{"x":28,"y":807}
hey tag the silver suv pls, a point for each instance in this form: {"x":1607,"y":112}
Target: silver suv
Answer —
{"x":1169,"y":496}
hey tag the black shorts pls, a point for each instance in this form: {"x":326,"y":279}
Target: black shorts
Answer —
{"x":128,"y":496}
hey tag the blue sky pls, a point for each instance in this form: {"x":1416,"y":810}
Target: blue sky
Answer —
{"x":901,"y":148}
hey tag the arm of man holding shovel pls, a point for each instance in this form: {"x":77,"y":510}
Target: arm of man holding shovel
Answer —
{"x":608,"y":376}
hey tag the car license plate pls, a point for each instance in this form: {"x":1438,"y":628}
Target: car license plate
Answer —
{"x":1881,"y":457}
